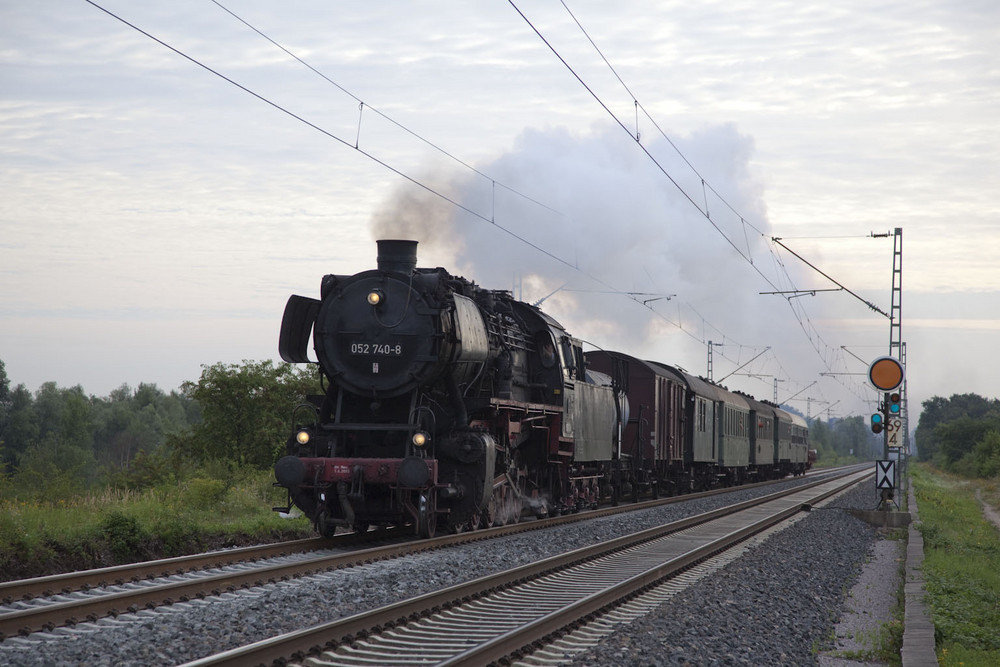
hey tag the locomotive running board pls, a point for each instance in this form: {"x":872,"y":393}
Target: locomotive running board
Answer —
{"x":544,"y":408}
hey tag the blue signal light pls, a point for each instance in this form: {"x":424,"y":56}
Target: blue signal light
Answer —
{"x":877,"y":422}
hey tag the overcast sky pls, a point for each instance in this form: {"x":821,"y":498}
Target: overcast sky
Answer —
{"x":155,"y":217}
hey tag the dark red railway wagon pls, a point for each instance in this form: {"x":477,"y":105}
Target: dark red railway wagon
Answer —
{"x":656,"y":427}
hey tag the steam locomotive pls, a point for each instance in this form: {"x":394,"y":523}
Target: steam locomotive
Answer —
{"x":447,"y":406}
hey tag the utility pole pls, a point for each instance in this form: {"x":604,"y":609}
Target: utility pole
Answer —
{"x":887,"y":374}
{"x":896,"y":309}
{"x":896,"y":317}
{"x":809,"y":402}
{"x":709,"y":376}
{"x":710,"y":345}
{"x":893,"y":411}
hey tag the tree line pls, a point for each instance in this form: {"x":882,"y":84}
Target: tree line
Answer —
{"x":844,"y":440}
{"x":57,"y":441}
{"x":960,"y":434}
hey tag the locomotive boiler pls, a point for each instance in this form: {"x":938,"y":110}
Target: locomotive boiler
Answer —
{"x":444,"y":405}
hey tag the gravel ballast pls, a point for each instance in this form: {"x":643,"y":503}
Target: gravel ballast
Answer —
{"x":778,"y":604}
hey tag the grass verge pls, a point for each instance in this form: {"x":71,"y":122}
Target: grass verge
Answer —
{"x":961,"y":567}
{"x":115,"y":526}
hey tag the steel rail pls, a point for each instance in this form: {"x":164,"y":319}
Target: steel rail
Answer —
{"x":49,"y":615}
{"x":298,"y":644}
{"x":23,"y":589}
{"x":546,"y":628}
{"x":117,"y":574}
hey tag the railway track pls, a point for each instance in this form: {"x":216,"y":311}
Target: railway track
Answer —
{"x":67,"y":599}
{"x":69,"y":582}
{"x":509,"y":614}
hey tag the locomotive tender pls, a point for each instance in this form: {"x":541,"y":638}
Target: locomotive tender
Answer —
{"x":449,"y":406}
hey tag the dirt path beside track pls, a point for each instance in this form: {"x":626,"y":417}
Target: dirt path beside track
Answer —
{"x":988,"y":511}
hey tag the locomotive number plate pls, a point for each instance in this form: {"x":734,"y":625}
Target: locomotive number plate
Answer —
{"x":379,"y":349}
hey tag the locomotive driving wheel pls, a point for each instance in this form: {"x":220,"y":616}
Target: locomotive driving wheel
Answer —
{"x":504,"y":506}
{"x":498,"y":511}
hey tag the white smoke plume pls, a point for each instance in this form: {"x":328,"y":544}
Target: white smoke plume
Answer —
{"x":612,"y":213}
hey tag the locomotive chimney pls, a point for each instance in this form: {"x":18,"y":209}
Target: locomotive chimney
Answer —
{"x":396,"y":255}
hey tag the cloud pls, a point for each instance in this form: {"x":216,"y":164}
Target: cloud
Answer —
{"x":132,"y":177}
{"x":588,"y":214}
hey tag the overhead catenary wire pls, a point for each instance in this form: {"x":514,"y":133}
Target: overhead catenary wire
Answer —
{"x":492,"y":220}
{"x":645,"y":150}
{"x":648,"y":116}
{"x":356,"y":145}
{"x":825,"y":275}
{"x":706,"y":187}
{"x":379,"y":161}
{"x":809,"y":331}
{"x":331,"y":135}
{"x":362,"y":105}
{"x":417,"y":182}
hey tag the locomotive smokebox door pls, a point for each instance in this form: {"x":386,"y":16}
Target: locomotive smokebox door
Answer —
{"x":377,"y":335}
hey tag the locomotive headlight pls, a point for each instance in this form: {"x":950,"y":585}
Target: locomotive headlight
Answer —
{"x":420,"y":439}
{"x":375,"y":297}
{"x":302,"y":437}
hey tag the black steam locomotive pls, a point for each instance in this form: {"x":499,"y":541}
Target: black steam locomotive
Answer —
{"x":445,"y":405}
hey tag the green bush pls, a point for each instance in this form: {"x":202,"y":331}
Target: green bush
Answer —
{"x":204,"y":494}
{"x":145,"y":471}
{"x":126,"y":537}
{"x":179,"y":536}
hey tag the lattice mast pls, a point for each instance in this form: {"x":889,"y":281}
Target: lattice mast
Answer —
{"x":897,"y":349}
{"x":896,"y":310}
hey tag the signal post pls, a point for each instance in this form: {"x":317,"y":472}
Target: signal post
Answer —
{"x":886,"y":375}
